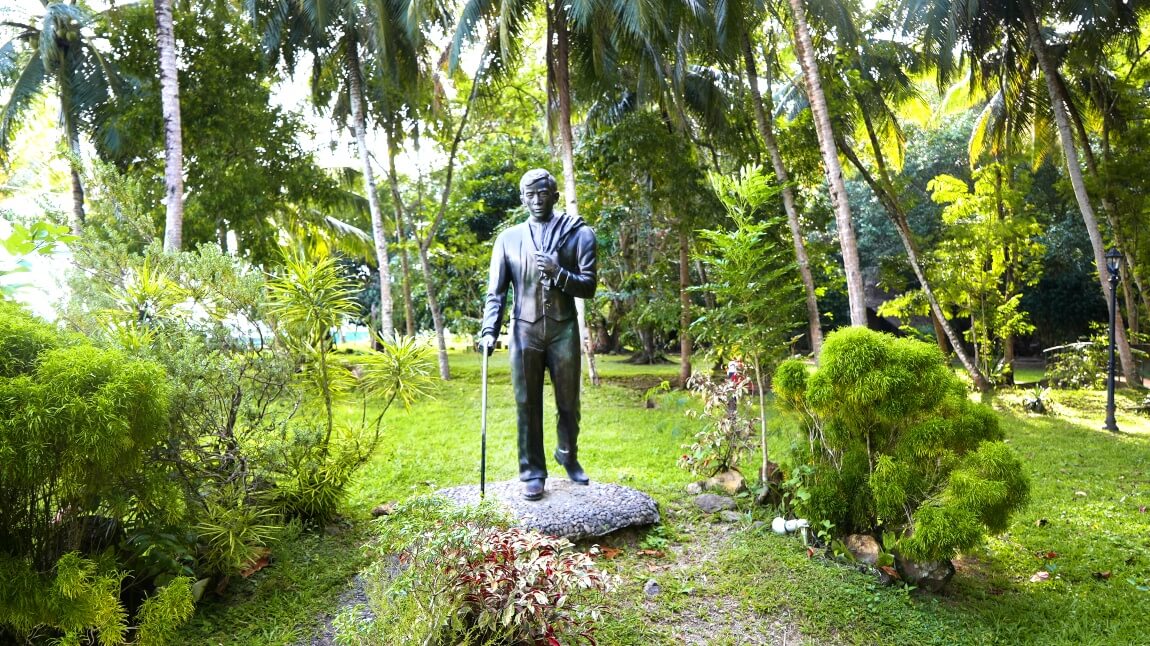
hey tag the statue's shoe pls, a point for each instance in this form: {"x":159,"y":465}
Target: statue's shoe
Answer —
{"x":574,"y":470}
{"x":533,"y":489}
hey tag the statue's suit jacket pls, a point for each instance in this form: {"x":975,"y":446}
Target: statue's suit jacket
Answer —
{"x":513,"y":263}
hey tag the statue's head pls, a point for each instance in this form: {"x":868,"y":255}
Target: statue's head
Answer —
{"x":539,"y":192}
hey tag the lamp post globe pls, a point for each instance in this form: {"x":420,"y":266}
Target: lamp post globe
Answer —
{"x":1113,"y":262}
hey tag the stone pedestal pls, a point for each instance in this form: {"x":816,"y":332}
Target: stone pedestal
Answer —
{"x":569,"y":510}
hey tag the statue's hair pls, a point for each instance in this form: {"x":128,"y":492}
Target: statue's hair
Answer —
{"x":536,"y":174}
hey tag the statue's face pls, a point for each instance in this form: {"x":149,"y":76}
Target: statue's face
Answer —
{"x":539,"y":199}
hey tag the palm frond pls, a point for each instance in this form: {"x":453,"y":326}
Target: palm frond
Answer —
{"x":27,"y":86}
{"x":988,"y":121}
{"x":467,"y":27}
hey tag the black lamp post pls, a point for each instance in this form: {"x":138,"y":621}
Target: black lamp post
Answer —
{"x":1113,"y":260}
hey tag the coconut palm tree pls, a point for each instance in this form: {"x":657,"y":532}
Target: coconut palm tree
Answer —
{"x":350,"y":41}
{"x":943,"y":27}
{"x":805,"y":49}
{"x":173,"y":138}
{"x":59,"y":53}
{"x":874,"y":75}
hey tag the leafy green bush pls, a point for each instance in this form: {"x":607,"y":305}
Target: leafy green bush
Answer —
{"x":80,"y":428}
{"x":895,"y":445}
{"x":1078,"y":365}
{"x":233,"y":529}
{"x":463,"y":577}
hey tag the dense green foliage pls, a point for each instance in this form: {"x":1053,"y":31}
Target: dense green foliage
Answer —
{"x":80,"y":433}
{"x":190,"y":411}
{"x":895,"y":445}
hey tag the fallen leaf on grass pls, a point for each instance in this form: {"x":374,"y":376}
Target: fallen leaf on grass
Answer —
{"x":259,"y":562}
{"x":610,"y":552}
{"x":1040,"y":576}
{"x":1080,"y":494}
{"x":1142,"y":509}
{"x":1101,"y":576}
{"x":658,"y":554}
{"x":893,"y":573}
{"x":811,"y":552}
{"x":1048,"y":555}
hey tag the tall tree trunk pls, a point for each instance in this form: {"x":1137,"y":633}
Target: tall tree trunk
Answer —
{"x":1130,"y":271}
{"x":359,"y":125}
{"x":1058,"y":101}
{"x":405,"y":265}
{"x":684,"y":307}
{"x":436,"y":313}
{"x":173,"y":135}
{"x":76,"y":221}
{"x":940,"y":334}
{"x":847,"y":242}
{"x":404,"y":257}
{"x":766,"y":131}
{"x":901,"y":225}
{"x":567,"y":149}
{"x":424,"y":241}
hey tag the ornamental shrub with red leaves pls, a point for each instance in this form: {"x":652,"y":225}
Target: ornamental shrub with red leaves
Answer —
{"x":445,"y":574}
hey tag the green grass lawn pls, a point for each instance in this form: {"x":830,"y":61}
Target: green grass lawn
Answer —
{"x":722,"y":582}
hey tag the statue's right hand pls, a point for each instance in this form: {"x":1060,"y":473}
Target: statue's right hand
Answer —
{"x":487,"y":344}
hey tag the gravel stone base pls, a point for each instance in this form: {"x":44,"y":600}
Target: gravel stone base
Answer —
{"x":569,"y":510}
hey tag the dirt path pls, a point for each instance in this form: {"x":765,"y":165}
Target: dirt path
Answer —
{"x":689,"y":607}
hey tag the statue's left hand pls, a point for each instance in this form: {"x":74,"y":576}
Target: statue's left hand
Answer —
{"x":548,"y":263}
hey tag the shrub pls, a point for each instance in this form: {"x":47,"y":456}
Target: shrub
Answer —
{"x":726,"y":435}
{"x":1078,"y":365}
{"x":463,"y":577}
{"x":895,"y":445}
{"x":80,"y":428}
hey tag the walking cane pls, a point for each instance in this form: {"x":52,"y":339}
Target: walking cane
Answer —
{"x":483,"y":429}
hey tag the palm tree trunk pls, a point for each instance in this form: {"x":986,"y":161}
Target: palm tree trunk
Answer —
{"x":77,"y":219}
{"x":772,"y":146}
{"x":1058,"y":101}
{"x":901,"y":225}
{"x":359,"y":125}
{"x":72,"y":139}
{"x":1130,"y":271}
{"x":567,"y":150}
{"x":834,"y":171}
{"x":405,"y":266}
{"x":173,"y":136}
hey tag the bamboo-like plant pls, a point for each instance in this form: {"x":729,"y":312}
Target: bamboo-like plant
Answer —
{"x":309,"y":299}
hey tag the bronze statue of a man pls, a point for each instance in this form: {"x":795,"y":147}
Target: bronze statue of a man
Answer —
{"x":550,"y":261}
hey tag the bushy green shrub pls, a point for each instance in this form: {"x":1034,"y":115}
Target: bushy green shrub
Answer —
{"x":896,"y":446}
{"x":459,"y":575}
{"x":80,"y":428}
